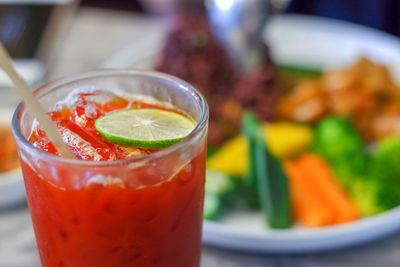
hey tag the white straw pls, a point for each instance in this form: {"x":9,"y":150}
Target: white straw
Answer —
{"x":33,"y":104}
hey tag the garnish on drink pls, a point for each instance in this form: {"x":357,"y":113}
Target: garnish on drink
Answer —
{"x":101,"y":125}
{"x":145,"y":128}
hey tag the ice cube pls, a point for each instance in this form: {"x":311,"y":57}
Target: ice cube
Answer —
{"x":106,"y":101}
{"x":99,"y":97}
{"x":85,"y":114}
{"x":91,"y":112}
{"x":85,"y":145}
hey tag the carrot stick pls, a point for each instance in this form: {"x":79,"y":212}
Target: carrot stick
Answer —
{"x":318,"y":174}
{"x":308,"y":207}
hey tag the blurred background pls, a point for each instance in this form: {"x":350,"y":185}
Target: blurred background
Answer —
{"x":32,"y":29}
{"x":383,"y":15}
{"x":299,"y":62}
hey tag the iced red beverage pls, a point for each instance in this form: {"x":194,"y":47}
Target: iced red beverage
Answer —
{"x":114,"y":205}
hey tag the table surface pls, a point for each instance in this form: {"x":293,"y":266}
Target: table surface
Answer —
{"x":94,"y":35}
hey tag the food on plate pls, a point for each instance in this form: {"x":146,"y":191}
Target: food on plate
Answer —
{"x":318,"y":199}
{"x":218,"y":188}
{"x":341,"y":145}
{"x":383,"y":177}
{"x":338,"y":141}
{"x":336,"y":123}
{"x":8,"y":151}
{"x":364,"y":92}
{"x":266,"y":176}
{"x":324,"y":122}
{"x":335,"y":138}
{"x":370,"y":175}
{"x":287,"y":139}
{"x":284,"y":139}
{"x":290,"y":75}
{"x":231,"y":158}
{"x":191,"y":53}
{"x":338,"y":178}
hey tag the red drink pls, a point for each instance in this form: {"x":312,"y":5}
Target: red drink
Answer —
{"x":119,"y":206}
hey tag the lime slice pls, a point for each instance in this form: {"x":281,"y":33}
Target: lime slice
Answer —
{"x":144,"y":128}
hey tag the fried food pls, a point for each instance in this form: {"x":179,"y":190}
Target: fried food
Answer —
{"x":364,"y":92}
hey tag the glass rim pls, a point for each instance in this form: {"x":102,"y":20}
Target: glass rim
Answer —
{"x":200,"y":125}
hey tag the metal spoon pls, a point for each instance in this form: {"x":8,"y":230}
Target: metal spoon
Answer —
{"x":238,"y":24}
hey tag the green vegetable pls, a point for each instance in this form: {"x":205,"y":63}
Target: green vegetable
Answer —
{"x":267,"y":176}
{"x":212,"y":206}
{"x":385,"y":170}
{"x":218,"y":184}
{"x":365,"y":194}
{"x":211,"y":150}
{"x":335,"y":137}
{"x":338,"y":142}
{"x":243,"y":196}
{"x":372,"y":180}
{"x":300,"y":71}
{"x":290,"y":75}
{"x":379,"y":188}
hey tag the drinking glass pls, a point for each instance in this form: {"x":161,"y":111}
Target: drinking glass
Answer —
{"x":144,"y":211}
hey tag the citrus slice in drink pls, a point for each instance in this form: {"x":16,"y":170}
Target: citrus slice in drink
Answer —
{"x":144,"y":128}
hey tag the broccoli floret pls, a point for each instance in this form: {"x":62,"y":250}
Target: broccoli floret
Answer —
{"x":372,"y":181}
{"x":379,"y":188}
{"x":338,"y":142}
{"x":366,"y":194}
{"x":385,"y":170}
{"x":386,"y":158}
{"x":349,"y":167}
{"x":335,"y":137}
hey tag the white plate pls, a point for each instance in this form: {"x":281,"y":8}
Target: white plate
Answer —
{"x":314,"y":42}
{"x":12,"y":190}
